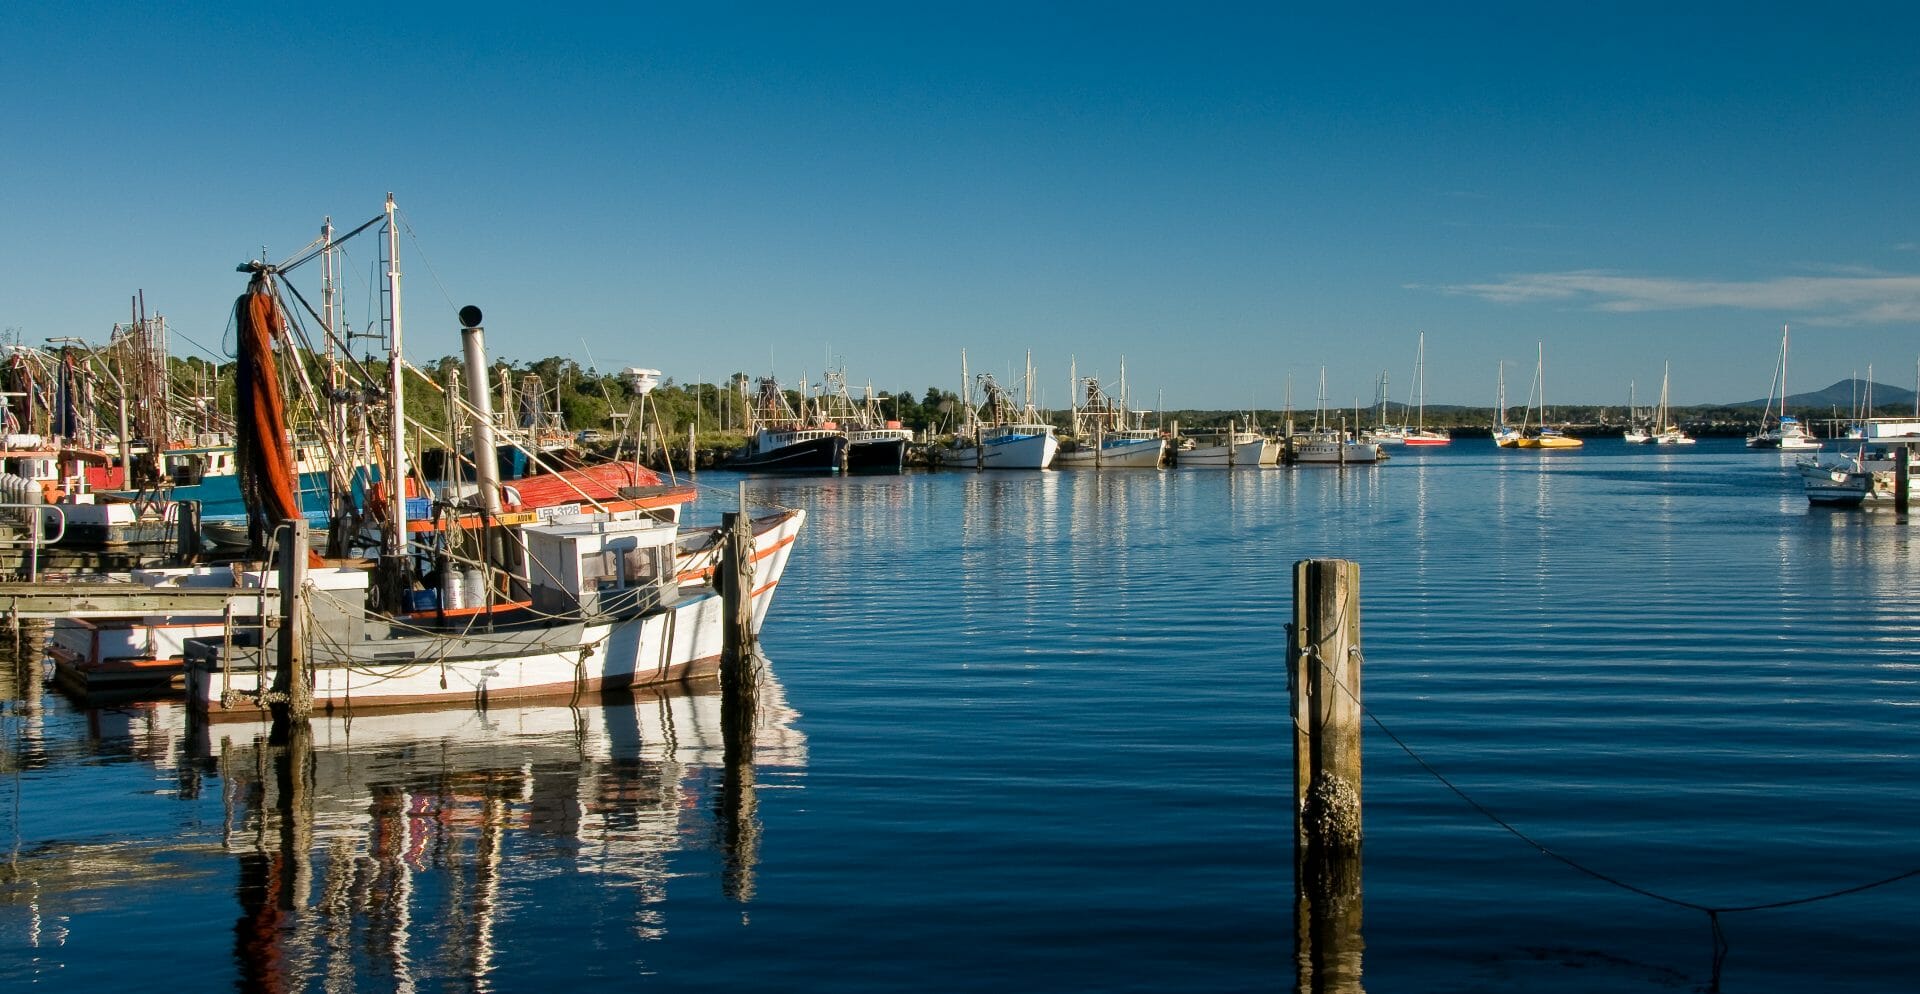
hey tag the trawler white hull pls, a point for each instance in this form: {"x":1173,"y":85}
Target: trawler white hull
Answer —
{"x":1333,"y":448}
{"x":1246,"y":449}
{"x":1009,"y":450}
{"x":146,"y":653}
{"x":1115,"y":453}
{"x":476,"y":668}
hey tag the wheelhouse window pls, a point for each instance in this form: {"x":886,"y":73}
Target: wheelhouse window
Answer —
{"x":641,"y":566}
{"x":599,"y":571}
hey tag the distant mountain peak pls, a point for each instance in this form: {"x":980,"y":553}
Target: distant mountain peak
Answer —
{"x":1842,"y":396}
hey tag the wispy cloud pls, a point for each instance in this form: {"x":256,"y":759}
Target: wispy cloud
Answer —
{"x":1862,"y":297}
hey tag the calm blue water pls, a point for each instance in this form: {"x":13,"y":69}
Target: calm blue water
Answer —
{"x":1030,"y":733}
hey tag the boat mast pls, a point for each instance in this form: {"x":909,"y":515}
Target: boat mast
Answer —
{"x":1026,"y":398}
{"x":395,"y":539}
{"x":1500,"y":395}
{"x":1073,"y":393}
{"x":1659,"y":407}
{"x":341,"y":508}
{"x":1540,"y":376}
{"x":966,"y":399}
{"x":1783,"y":372}
{"x":1420,"y":380}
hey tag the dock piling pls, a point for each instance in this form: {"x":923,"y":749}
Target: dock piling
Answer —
{"x":1323,"y":671}
{"x":736,"y":599}
{"x":1323,"y":662}
{"x":1901,"y":476}
{"x":292,"y":697}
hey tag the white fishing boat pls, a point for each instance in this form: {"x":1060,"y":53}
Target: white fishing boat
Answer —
{"x":1225,"y":448}
{"x":1271,"y":449}
{"x":1333,"y":446}
{"x":1864,"y":476}
{"x":567,"y":603}
{"x":1778,"y":429}
{"x":1122,"y":448}
{"x":145,"y":654}
{"x":607,"y":613}
{"x":1000,"y":434}
{"x":1107,"y":433}
{"x":1325,"y":444}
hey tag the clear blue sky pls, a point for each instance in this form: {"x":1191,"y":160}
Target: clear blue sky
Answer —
{"x":1226,"y":195}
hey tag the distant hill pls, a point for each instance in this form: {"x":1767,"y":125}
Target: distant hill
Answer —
{"x":1842,"y":395}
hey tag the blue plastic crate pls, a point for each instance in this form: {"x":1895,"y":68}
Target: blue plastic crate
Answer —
{"x":419,"y":508}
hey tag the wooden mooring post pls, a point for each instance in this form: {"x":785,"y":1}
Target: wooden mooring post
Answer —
{"x":735,"y":570}
{"x":1323,"y":674}
{"x":292,"y":697}
{"x":1901,"y":478}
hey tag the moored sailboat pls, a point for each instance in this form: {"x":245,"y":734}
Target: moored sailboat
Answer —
{"x":1542,"y":437}
{"x":1419,"y":433}
{"x":1786,"y":431}
{"x":1665,"y":431}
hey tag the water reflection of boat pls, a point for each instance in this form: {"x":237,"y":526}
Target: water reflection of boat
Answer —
{"x":380,"y":850}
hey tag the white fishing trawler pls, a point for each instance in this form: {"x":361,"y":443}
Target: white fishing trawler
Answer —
{"x":567,"y":602}
{"x":999,"y":434}
{"x":1107,"y":433}
{"x":1866,"y":476}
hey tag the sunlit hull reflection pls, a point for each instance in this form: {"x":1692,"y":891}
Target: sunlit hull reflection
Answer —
{"x":377,"y":849}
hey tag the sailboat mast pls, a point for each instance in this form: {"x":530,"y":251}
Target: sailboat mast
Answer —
{"x":1420,"y":380}
{"x":395,"y":540}
{"x":1540,"y":375}
{"x":1783,"y":370}
{"x":1500,"y":394}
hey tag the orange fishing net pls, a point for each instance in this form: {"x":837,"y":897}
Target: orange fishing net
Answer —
{"x":263,"y":450}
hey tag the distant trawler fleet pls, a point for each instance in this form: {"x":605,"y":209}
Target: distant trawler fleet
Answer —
{"x":997,"y":427}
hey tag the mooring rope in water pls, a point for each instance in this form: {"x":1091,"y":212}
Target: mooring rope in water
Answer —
{"x":1712,"y":911}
